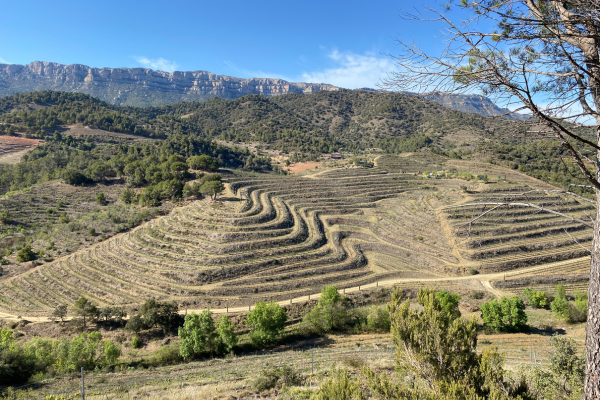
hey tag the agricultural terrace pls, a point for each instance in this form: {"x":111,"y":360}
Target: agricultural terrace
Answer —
{"x":278,"y":237}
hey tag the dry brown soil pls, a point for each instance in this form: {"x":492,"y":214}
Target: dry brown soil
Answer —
{"x":301,"y":167}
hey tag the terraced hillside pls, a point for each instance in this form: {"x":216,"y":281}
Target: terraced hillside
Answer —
{"x":501,"y":238}
{"x":280,"y":237}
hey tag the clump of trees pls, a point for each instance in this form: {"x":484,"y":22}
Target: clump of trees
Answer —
{"x":155,"y":314}
{"x":18,"y":362}
{"x":199,"y":336}
{"x":508,"y":314}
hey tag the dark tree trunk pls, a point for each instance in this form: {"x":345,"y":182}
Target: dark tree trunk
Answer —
{"x":592,"y":340}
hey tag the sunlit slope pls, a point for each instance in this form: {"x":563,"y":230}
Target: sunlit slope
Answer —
{"x":278,"y":237}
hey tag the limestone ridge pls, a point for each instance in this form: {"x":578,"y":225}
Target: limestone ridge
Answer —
{"x":471,"y":103}
{"x":146,"y":87}
{"x":474,"y":103}
{"x":141,"y":86}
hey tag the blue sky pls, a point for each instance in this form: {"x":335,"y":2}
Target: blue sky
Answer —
{"x":342,"y":43}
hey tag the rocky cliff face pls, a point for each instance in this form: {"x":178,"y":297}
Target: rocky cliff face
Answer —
{"x":141,"y":86}
{"x":474,"y":104}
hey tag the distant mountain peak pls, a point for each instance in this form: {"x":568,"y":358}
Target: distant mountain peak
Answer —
{"x":146,"y":87}
{"x":141,"y":86}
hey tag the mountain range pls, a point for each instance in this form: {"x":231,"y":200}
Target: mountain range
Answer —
{"x":146,"y":87}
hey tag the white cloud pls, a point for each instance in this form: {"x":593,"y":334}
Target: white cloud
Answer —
{"x":249,"y":73}
{"x":160,"y":64}
{"x":3,"y":61}
{"x":351,"y":70}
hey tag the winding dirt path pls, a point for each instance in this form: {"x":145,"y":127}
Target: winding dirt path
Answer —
{"x":484,"y":279}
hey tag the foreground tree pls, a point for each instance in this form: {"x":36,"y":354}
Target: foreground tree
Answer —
{"x":542,"y":56}
{"x":437,"y":352}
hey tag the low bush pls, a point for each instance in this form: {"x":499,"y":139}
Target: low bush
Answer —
{"x":535,"y":299}
{"x":330,"y":313}
{"x":478,"y":295}
{"x":560,"y":306}
{"x":378,"y":319}
{"x":508,"y":314}
{"x":101,"y":199}
{"x":25,"y":254}
{"x":340,"y":386}
{"x":167,"y":355}
{"x":277,"y":377}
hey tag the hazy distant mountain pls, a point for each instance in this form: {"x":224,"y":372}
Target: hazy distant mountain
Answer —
{"x":146,"y":87}
{"x":472,"y":103}
{"x":475,"y":104}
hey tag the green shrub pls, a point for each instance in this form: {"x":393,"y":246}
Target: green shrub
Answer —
{"x":536,"y":299}
{"x":506,"y":315}
{"x":135,"y":342}
{"x":330,"y":313}
{"x":167,"y":355}
{"x":198,"y":335}
{"x":227,"y":336}
{"x":92,"y":231}
{"x":4,"y":217}
{"x":478,"y":295}
{"x":439,"y":354}
{"x":473,"y":271}
{"x":267,"y":321}
{"x":274,"y":377}
{"x":564,"y":378}
{"x":448,"y":302}
{"x":378,"y":319}
{"x":64,"y":219}
{"x":101,"y":199}
{"x":74,"y":177}
{"x":581,"y":306}
{"x":560,"y":306}
{"x":340,"y":386}
{"x":25,"y":254}
{"x":128,"y":196}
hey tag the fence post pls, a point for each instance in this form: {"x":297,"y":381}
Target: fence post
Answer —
{"x":377,"y":283}
{"x":290,"y":301}
{"x":82,"y":385}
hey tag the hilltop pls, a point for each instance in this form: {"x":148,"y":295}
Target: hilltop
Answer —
{"x":145,"y":87}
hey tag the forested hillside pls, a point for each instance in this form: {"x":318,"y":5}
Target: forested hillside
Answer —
{"x":308,"y":125}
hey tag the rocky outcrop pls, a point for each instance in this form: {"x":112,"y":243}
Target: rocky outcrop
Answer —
{"x":141,"y":86}
{"x":474,"y":103}
{"x":471,"y":103}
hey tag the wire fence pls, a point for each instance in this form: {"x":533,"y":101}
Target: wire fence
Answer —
{"x":229,"y":371}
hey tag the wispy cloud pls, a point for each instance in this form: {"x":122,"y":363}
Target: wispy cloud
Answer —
{"x":351,"y":70}
{"x":160,"y":64}
{"x":250,"y":73}
{"x":3,"y":61}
